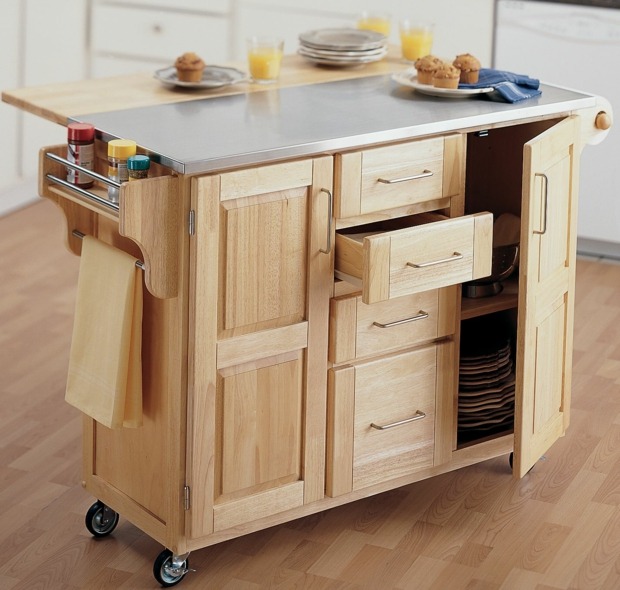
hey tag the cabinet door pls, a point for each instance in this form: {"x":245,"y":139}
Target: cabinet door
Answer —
{"x":546,"y":291}
{"x":261,"y":281}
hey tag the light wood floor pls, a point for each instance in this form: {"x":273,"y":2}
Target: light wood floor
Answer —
{"x":475,"y":529}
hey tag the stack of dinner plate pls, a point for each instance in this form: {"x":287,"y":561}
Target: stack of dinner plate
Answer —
{"x":486,"y":388}
{"x":342,"y":47}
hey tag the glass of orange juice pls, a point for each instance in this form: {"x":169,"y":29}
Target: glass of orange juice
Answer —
{"x":264,"y":58}
{"x":375,"y":21}
{"x":416,"y":39}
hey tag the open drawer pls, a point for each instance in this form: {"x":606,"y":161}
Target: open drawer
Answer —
{"x":413,"y":254}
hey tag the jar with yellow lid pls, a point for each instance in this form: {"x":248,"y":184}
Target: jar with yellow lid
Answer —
{"x":119,"y":150}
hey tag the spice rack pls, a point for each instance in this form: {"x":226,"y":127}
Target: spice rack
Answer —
{"x":146,"y":215}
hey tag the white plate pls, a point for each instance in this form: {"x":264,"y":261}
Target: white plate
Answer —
{"x":344,"y":61}
{"x":346,"y":39}
{"x":336,"y":54}
{"x":212,"y":77}
{"x":410,"y":80}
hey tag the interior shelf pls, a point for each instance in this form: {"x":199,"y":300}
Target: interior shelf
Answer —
{"x":507,"y":299}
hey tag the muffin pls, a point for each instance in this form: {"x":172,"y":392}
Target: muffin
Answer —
{"x":189,"y":67}
{"x":469,"y":67}
{"x":446,"y":76}
{"x":425,"y":66}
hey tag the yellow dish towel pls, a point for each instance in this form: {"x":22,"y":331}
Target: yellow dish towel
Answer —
{"x":105,"y":365}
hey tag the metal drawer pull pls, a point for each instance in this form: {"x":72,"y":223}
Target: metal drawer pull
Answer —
{"x":424,"y":174}
{"x":422,"y":315}
{"x":330,"y":213}
{"x":455,"y":256}
{"x":546,"y":197}
{"x":418,"y":416}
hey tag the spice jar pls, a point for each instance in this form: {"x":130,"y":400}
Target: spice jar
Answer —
{"x":118,"y":152}
{"x":80,"y":151}
{"x":138,"y":167}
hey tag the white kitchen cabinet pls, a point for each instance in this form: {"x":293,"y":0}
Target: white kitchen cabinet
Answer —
{"x":150,"y":35}
{"x":9,"y":117}
{"x":29,"y":59}
{"x":459,"y":27}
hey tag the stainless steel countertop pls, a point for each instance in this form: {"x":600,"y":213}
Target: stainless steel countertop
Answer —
{"x":211,"y":134}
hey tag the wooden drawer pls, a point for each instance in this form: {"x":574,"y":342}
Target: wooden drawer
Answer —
{"x":381,"y":420}
{"x":398,"y":175}
{"x":358,"y":330}
{"x":431,"y":252}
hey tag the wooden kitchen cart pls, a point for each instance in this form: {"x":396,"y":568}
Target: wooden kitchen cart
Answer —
{"x":303,"y":320}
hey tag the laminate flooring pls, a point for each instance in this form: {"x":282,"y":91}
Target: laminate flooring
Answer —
{"x":472,"y":529}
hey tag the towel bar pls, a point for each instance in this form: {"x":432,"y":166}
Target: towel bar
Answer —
{"x":79,"y":234}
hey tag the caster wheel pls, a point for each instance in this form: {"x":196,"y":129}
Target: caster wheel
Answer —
{"x":169,"y":571}
{"x":100,"y":520}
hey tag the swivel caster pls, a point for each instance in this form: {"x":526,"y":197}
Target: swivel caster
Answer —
{"x":100,"y":520}
{"x":170,"y":569}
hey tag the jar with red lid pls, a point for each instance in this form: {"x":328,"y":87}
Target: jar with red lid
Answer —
{"x":80,"y":151}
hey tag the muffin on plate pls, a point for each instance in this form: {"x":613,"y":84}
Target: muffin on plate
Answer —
{"x":425,"y":66}
{"x":189,"y":67}
{"x":469,"y":66}
{"x":446,"y":76}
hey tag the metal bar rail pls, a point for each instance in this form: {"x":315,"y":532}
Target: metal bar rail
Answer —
{"x":79,"y":234}
{"x":80,"y":191}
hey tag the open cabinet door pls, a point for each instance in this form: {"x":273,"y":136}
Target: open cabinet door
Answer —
{"x":546,"y":291}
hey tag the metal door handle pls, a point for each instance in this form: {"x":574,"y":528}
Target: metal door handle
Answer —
{"x":424,"y":174}
{"x":546,"y":197}
{"x":422,"y":315}
{"x":329,"y":221}
{"x":455,"y":256}
{"x":418,"y":416}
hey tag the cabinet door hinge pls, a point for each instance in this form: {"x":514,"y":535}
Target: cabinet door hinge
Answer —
{"x":191,"y":222}
{"x":186,"y":497}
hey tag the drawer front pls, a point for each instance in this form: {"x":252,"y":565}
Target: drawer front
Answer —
{"x":419,"y":258}
{"x":358,"y":330}
{"x":394,"y":422}
{"x":396,"y":176}
{"x":159,"y":36}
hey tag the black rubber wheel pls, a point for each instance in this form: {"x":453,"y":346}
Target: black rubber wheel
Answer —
{"x":100,"y":520}
{"x":164,"y":571}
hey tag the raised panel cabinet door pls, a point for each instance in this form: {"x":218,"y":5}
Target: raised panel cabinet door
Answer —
{"x":260,"y":281}
{"x":546,"y":291}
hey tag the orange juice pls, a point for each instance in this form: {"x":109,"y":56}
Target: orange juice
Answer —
{"x":378,"y":23}
{"x":416,"y":41}
{"x":264,"y":57}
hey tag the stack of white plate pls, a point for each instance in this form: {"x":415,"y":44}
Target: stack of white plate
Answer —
{"x":342,"y":47}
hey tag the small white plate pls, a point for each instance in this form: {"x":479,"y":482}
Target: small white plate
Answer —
{"x":342,"y":62}
{"x":409,"y":79}
{"x":343,"y":39}
{"x":212,"y":77}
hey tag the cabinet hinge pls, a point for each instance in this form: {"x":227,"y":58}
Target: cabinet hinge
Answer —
{"x":191,"y":222}
{"x":186,"y":497}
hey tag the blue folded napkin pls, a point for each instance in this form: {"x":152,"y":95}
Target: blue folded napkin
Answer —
{"x":507,"y":85}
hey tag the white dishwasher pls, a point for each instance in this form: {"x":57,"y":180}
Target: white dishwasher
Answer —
{"x":577,"y":45}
